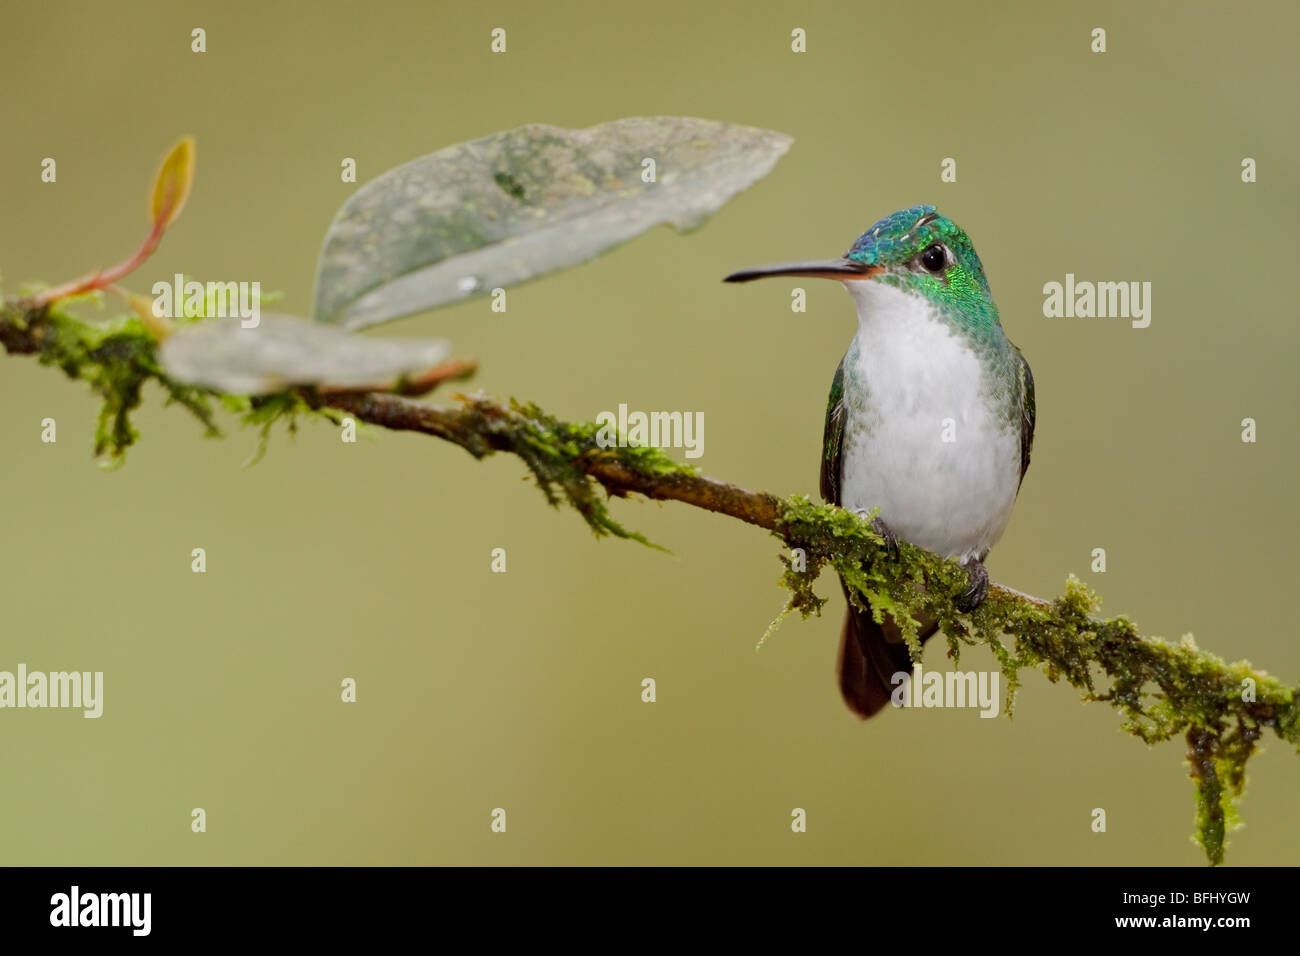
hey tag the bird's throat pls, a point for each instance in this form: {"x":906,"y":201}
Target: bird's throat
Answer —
{"x":929,"y":438}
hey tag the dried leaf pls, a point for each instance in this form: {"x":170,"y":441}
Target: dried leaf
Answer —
{"x":284,"y":350}
{"x":496,"y":211}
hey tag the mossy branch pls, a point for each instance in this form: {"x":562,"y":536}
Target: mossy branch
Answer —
{"x":1161,"y":689}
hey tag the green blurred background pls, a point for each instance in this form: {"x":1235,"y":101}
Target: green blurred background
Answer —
{"x":522,"y":691}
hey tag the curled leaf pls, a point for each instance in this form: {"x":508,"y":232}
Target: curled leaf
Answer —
{"x":283,"y":350}
{"x":171,"y":187}
{"x":498,"y":210}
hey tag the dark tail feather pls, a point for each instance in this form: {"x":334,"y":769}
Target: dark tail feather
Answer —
{"x":870,"y":655}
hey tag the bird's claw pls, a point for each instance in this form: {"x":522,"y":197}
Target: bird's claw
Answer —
{"x":978,"y":590}
{"x":886,"y":532}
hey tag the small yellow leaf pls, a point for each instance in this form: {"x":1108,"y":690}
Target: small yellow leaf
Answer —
{"x":172,"y":186}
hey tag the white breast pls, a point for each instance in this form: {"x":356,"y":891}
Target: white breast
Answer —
{"x":921,"y":440}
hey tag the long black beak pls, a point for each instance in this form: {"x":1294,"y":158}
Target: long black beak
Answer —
{"x":819,"y":268}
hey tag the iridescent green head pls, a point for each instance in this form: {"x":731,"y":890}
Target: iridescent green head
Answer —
{"x":915,"y":250}
{"x":920,"y":243}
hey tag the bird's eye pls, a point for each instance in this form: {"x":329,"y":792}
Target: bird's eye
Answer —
{"x":932,"y":257}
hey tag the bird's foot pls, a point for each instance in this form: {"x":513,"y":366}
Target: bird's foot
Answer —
{"x":978,"y":590}
{"x":885,"y":531}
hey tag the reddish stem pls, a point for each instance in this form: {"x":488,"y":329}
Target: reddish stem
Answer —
{"x":106,"y":277}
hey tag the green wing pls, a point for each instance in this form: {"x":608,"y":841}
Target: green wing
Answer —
{"x":833,"y":438}
{"x":1028,"y":412}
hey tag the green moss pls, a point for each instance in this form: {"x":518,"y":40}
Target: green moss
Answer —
{"x":117,"y":358}
{"x":557,"y":452}
{"x":1160,"y":689}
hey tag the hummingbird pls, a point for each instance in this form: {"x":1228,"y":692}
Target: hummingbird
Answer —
{"x":930,"y":419}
